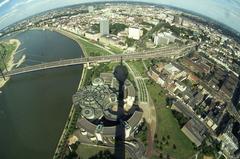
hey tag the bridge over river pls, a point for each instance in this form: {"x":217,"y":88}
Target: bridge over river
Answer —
{"x":162,"y":52}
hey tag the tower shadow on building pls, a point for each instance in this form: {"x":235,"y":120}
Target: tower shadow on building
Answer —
{"x":121,"y":74}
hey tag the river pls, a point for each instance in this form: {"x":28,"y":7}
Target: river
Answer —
{"x":34,"y":106}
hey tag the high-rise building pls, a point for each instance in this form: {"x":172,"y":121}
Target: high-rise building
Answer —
{"x":164,"y":38}
{"x":104,"y":26}
{"x":90,"y":9}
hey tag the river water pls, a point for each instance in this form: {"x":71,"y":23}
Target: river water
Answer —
{"x":34,"y":106}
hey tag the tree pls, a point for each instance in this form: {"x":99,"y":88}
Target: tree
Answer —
{"x":72,"y":155}
{"x":174,"y":146}
{"x":96,"y":28}
{"x":144,"y":31}
{"x":160,"y":155}
{"x":182,"y":120}
{"x":116,"y":28}
{"x":163,"y":138}
{"x":130,"y":42}
{"x":170,"y":101}
{"x":168,"y":156}
{"x":160,"y":148}
{"x":103,"y":154}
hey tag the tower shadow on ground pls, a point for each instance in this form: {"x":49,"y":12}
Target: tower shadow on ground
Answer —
{"x":121,"y":74}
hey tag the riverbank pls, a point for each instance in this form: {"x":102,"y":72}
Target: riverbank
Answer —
{"x":10,"y":63}
{"x":72,"y":115}
{"x":22,"y":112}
{"x":74,"y":37}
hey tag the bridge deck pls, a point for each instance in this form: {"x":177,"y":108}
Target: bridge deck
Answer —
{"x":163,"y":52}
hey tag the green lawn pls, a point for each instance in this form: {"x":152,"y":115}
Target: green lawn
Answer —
{"x":148,"y":63}
{"x":202,"y":156}
{"x":5,"y":51}
{"x":112,"y":48}
{"x":96,"y":70}
{"x":138,"y":65}
{"x":86,"y":152}
{"x":91,"y":49}
{"x":157,"y":93}
{"x":115,"y":49}
{"x":167,"y":125}
{"x":168,"y":130}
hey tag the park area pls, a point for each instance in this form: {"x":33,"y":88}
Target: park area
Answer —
{"x":91,"y":152}
{"x":169,"y":141}
{"x":6,"y":49}
{"x":90,"y":49}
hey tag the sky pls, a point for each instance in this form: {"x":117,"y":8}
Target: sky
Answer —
{"x":224,"y":11}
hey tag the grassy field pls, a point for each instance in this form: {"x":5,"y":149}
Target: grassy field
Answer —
{"x":86,"y":152}
{"x":88,"y":44}
{"x":115,"y":49}
{"x":148,"y":63}
{"x":5,"y":51}
{"x":157,"y":93}
{"x":168,"y":128}
{"x":138,"y":65}
{"x":169,"y":139}
{"x":96,"y":70}
{"x":91,"y":49}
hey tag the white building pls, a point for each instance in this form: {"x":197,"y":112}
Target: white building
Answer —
{"x":164,"y":38}
{"x":229,"y":143}
{"x":152,"y":21}
{"x":90,"y":9}
{"x":169,"y":19}
{"x":128,"y":129}
{"x":104,"y":26}
{"x":130,"y":91}
{"x":98,"y":132}
{"x":92,"y":36}
{"x":162,"y":16}
{"x":134,"y":33}
{"x":112,"y":40}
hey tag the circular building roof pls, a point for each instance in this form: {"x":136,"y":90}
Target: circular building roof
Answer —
{"x":94,"y":101}
{"x":97,"y":82}
{"x":99,"y":100}
{"x":88,"y":113}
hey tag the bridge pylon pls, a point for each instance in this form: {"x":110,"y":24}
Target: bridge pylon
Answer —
{"x":88,"y":64}
{"x":2,"y":74}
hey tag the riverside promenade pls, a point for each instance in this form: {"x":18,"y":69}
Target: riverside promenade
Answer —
{"x":61,"y":146}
